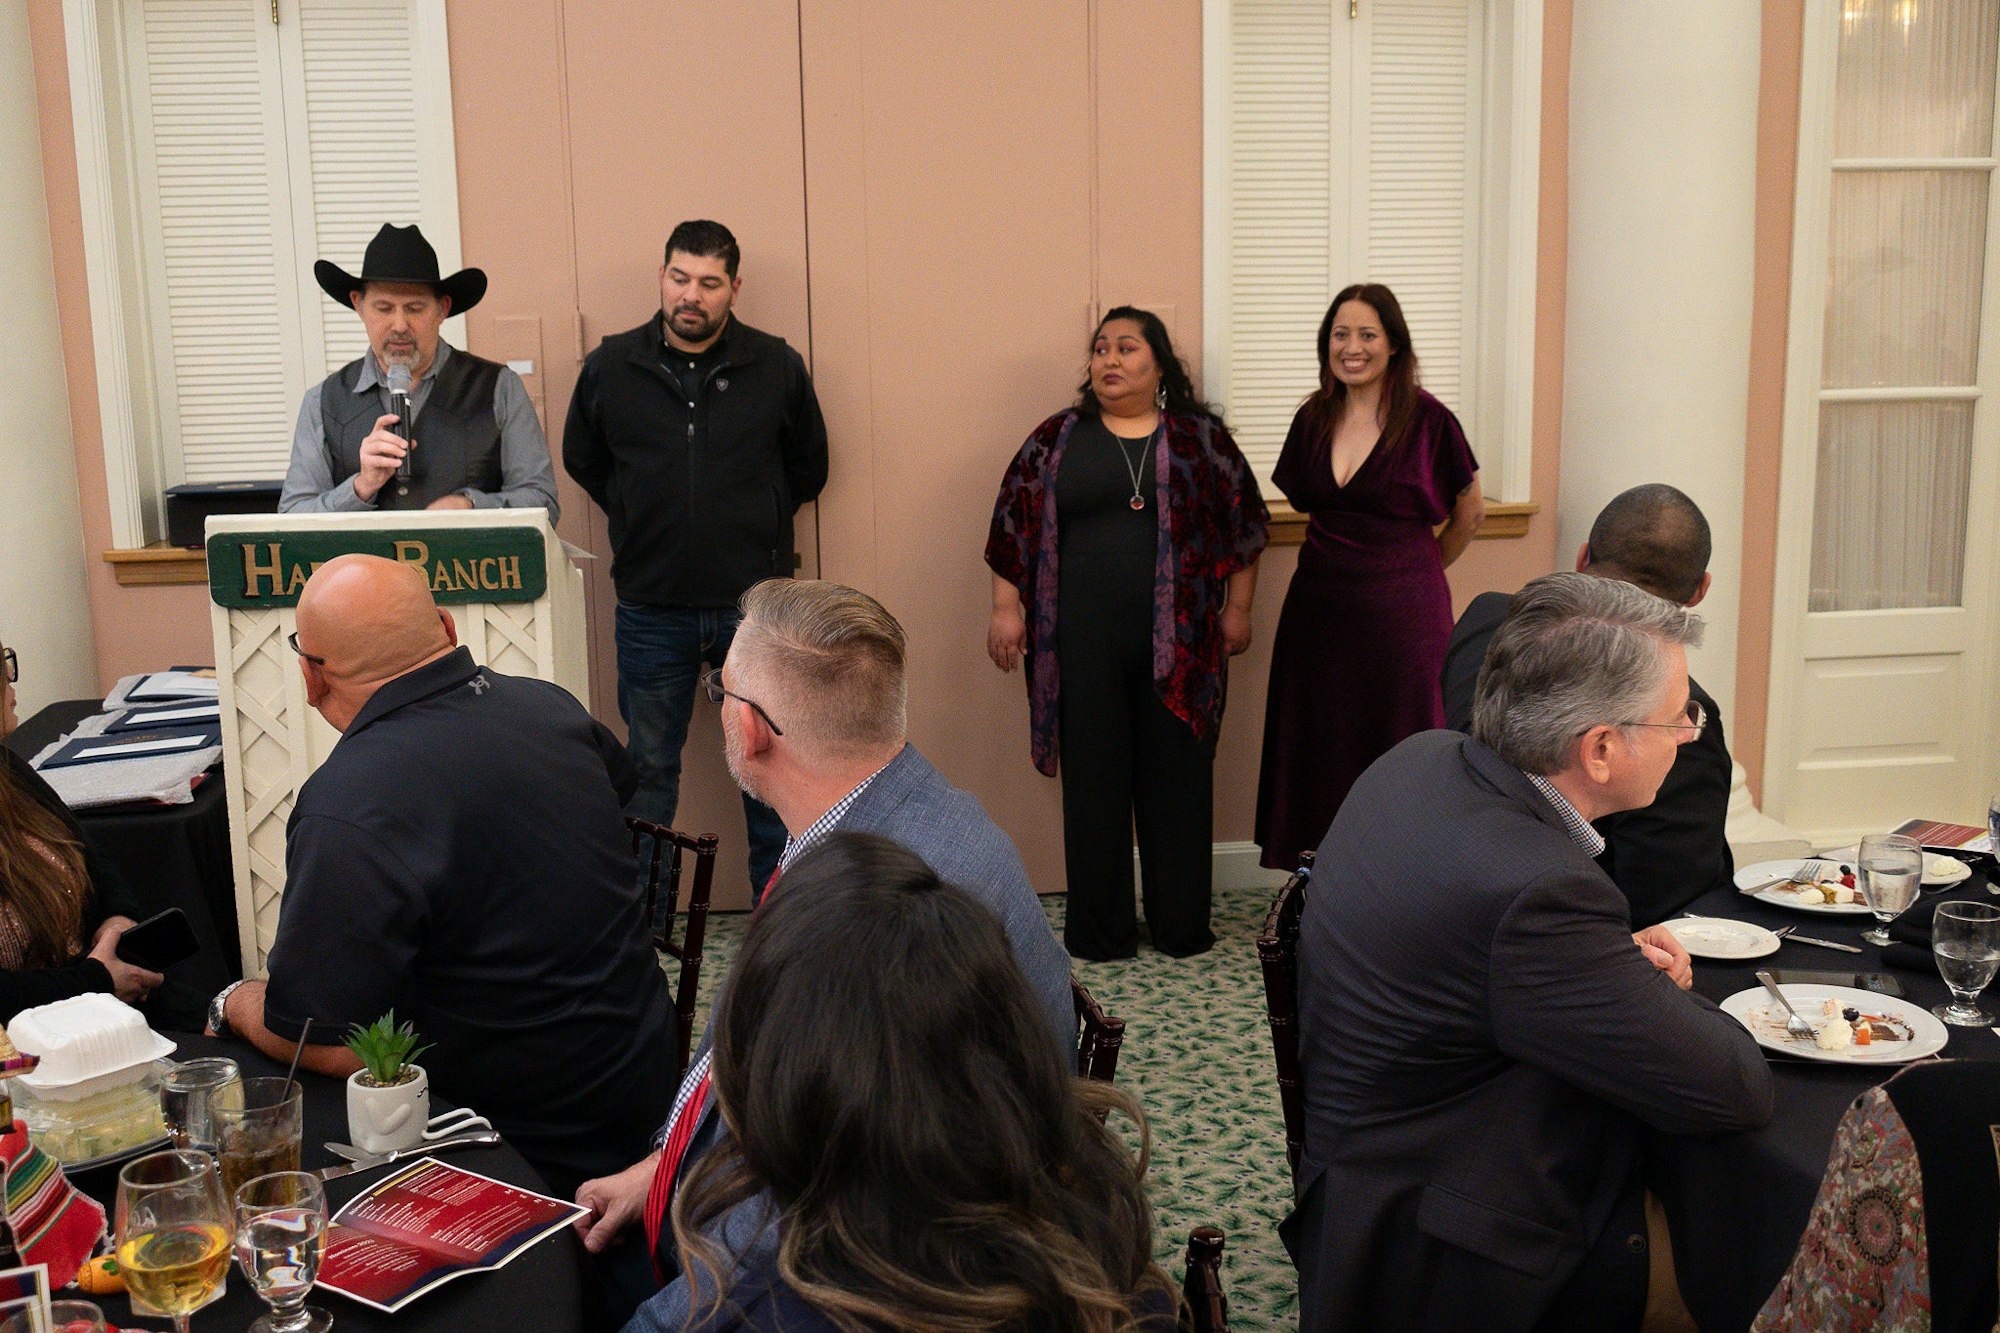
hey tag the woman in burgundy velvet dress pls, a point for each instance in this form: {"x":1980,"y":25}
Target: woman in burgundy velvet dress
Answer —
{"x":1378,"y":464}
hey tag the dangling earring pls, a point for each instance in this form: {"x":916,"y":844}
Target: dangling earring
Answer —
{"x":1160,"y":397}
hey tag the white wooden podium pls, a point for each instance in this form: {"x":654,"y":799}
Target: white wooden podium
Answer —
{"x":513,"y":589}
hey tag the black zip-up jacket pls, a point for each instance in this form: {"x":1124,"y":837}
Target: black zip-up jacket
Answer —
{"x":700,"y":494}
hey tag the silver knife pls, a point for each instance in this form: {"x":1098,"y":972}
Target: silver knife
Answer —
{"x":1824,"y":944}
{"x":421,"y":1150}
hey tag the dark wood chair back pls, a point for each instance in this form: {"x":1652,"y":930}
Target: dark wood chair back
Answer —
{"x":1098,"y":1036}
{"x":1278,"y":948}
{"x":1206,"y":1309}
{"x":664,"y":849}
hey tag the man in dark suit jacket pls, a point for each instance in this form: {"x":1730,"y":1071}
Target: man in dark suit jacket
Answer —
{"x":812,"y":697}
{"x":1665,"y":855}
{"x":1483,"y":1040}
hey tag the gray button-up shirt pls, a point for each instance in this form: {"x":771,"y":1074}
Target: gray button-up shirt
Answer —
{"x":528,"y":477}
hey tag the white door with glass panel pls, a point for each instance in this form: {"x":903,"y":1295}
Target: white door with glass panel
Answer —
{"x":1887,"y":598}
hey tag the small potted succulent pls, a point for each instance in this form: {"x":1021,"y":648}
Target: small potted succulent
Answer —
{"x":389,"y":1097}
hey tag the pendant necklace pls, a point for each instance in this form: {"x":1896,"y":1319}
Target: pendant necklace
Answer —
{"x":1131,"y":462}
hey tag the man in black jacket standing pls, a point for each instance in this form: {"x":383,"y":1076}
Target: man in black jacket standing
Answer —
{"x":699,"y":437}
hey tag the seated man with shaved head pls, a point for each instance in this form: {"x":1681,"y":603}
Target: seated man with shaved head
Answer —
{"x":461,"y":857}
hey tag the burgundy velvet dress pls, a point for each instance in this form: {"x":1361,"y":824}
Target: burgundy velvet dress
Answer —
{"x":1361,"y":639}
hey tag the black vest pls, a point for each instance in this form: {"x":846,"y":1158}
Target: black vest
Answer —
{"x":458,"y":437}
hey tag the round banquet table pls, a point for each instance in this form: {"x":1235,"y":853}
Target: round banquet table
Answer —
{"x":542,"y":1289}
{"x":1737,"y":1204}
{"x":172,"y":856}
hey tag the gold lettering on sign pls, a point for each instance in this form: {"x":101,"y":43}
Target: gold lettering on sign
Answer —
{"x":488,"y":580}
{"x":254,"y":571}
{"x":464,"y":577}
{"x":413,"y":552}
{"x":510,"y":572}
{"x":441,"y":579}
{"x":298,"y":580}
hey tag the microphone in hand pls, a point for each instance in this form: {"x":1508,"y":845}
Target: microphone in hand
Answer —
{"x":399,"y":403}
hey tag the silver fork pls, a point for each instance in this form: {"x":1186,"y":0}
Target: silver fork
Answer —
{"x":1794,"y":1025}
{"x":1807,"y":873}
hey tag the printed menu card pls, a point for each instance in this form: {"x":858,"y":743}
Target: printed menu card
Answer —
{"x":427,"y":1224}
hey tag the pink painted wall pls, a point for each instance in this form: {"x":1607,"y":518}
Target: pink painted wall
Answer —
{"x":932,"y":201}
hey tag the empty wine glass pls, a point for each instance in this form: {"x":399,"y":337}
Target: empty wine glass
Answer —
{"x":1965,"y":937}
{"x":173,"y":1233}
{"x":280,"y":1238}
{"x":1892,"y":871}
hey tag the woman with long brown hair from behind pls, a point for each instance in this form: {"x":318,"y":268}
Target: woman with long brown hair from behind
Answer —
{"x":61,"y":908}
{"x":925,"y":1160}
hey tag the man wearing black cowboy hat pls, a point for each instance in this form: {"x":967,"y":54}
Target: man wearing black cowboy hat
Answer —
{"x":474,"y":440}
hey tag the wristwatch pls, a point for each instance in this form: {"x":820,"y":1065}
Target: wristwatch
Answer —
{"x":218,"y":1021}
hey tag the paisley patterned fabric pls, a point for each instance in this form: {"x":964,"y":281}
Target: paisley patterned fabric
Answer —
{"x":1863,"y":1263}
{"x":1212,"y":524}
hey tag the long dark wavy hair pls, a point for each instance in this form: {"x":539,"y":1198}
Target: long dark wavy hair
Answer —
{"x":42,"y":875}
{"x":1400,"y":381}
{"x":1174,"y":378}
{"x":884,"y":1071}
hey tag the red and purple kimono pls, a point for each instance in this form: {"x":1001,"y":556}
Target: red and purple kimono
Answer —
{"x":1211,"y":524}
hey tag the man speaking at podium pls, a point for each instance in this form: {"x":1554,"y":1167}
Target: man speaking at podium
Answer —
{"x":468,"y":439}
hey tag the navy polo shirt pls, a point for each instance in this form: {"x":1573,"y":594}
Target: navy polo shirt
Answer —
{"x":461,"y":857}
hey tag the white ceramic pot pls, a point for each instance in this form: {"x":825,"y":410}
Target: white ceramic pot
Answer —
{"x":385,"y":1119}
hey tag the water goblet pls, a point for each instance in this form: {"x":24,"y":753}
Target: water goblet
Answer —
{"x":1892,"y":872}
{"x":187,"y":1092}
{"x":1965,"y":938}
{"x":280,"y":1239}
{"x":173,"y":1232}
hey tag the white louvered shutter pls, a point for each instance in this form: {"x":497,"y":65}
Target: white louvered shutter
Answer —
{"x":218,"y":238}
{"x":360,"y":83}
{"x":1354,"y":150}
{"x":1286,"y":106}
{"x":263,"y":147}
{"x":1423,"y":152}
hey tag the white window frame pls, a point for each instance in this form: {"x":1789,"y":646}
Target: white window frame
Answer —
{"x":122,"y":291}
{"x":1510,"y":223}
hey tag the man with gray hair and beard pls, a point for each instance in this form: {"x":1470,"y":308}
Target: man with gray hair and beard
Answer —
{"x":1483,"y":1040}
{"x":814,"y":699}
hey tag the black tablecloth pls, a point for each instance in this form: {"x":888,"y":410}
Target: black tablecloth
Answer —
{"x":1737,"y":1204}
{"x":542,"y":1289}
{"x":173,"y":856}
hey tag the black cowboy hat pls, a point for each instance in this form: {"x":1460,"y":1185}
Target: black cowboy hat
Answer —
{"x":401,"y":254}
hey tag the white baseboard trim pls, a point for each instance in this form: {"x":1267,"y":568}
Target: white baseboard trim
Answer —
{"x":1234,"y":866}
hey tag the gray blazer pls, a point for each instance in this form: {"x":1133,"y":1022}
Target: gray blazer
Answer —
{"x":911,"y":802}
{"x":1481,"y":1048}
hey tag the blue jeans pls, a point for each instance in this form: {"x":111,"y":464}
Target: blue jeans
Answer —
{"x":661,"y":652}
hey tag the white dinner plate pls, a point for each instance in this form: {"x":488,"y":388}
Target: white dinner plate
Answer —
{"x":1757,"y":1011}
{"x":1719,"y":937}
{"x":1787,"y":895}
{"x":1940,"y":871}
{"x":1943,"y":871}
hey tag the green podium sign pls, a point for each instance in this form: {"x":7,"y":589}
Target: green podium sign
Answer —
{"x":262,"y":570}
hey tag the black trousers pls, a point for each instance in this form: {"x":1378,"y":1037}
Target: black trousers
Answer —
{"x":1126,"y":759}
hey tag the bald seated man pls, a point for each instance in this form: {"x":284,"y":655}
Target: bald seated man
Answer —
{"x":461,"y":858}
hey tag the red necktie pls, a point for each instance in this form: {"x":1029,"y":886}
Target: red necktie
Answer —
{"x":661,"y":1192}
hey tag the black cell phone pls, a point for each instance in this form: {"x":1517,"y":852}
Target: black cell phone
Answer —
{"x":1879,"y":982}
{"x":158,"y":942}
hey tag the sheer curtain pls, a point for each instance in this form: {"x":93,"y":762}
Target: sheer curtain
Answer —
{"x":1905,"y":257}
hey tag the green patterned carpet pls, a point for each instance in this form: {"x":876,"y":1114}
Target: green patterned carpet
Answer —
{"x":1198,"y":1055}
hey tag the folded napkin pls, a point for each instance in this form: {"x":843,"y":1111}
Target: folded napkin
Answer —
{"x":1917,"y":958}
{"x":53,"y":1223}
{"x":1912,"y":927}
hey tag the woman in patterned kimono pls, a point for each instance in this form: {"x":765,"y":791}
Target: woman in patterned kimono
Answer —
{"x":1378,"y":464}
{"x":1124,"y":550}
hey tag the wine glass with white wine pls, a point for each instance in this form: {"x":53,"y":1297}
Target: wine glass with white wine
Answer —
{"x":280,"y":1239}
{"x":173,"y":1234}
{"x":1965,"y":939}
